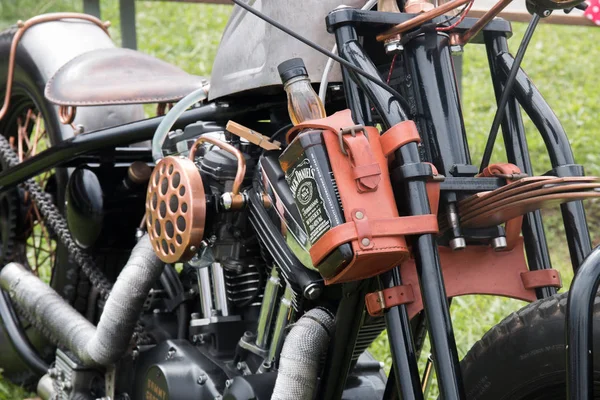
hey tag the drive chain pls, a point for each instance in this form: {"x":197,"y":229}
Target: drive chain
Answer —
{"x":56,"y":223}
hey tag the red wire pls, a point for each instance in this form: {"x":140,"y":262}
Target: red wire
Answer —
{"x":391,"y":69}
{"x":389,"y":74}
{"x":462,"y":17}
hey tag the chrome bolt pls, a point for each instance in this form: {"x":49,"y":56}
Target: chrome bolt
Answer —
{"x":79,"y":129}
{"x":226,"y":200}
{"x":359,"y":215}
{"x":228,"y":382}
{"x":499,"y":243}
{"x":393,"y":46}
{"x":365,"y":242}
{"x":456,"y":50}
{"x":312,"y":292}
{"x":458,"y":243}
{"x":202,"y":379}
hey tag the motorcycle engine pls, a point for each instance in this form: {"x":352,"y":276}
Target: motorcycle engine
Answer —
{"x":209,"y":209}
{"x":196,"y":215}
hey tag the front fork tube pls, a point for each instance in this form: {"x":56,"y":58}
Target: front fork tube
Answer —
{"x":425,"y":249}
{"x":404,"y":373}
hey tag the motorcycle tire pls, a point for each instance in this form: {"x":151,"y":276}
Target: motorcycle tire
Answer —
{"x":42,"y":50}
{"x":523,"y":357}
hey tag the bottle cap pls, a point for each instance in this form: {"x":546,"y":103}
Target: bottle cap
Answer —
{"x":291,"y":68}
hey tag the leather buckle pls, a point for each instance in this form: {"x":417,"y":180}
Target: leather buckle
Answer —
{"x":349,"y":131}
{"x":377,"y":302}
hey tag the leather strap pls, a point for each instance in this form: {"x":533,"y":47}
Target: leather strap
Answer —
{"x":400,"y":226}
{"x":377,"y":302}
{"x":366,"y":170}
{"x":541,"y":278}
{"x":513,"y":227}
{"x":398,"y":135}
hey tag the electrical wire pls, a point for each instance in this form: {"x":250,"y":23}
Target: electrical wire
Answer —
{"x":325,"y":77}
{"x":350,"y":66}
{"x":448,"y":19}
{"x":489,"y":146}
{"x":461,"y":16}
{"x":391,"y":69}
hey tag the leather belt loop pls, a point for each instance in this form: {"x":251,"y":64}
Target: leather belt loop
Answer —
{"x":378,"y":302}
{"x":541,"y":278}
{"x":398,"y":135}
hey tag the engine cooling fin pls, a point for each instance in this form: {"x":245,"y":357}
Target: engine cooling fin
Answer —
{"x":175,"y":209}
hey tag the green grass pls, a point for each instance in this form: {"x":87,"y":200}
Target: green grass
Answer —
{"x":563,"y":61}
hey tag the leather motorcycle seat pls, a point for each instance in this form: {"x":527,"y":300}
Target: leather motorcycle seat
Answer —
{"x":119,"y":76}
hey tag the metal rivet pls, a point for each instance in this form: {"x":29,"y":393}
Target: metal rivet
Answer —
{"x":359,"y":215}
{"x":365,"y":242}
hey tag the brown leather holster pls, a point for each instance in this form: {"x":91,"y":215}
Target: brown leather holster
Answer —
{"x":373,"y":227}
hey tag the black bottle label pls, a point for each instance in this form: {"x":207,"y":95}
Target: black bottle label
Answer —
{"x":301,"y":179}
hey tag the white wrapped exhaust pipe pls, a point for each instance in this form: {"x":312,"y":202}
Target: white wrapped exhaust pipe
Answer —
{"x":299,"y":361}
{"x":106,"y":343}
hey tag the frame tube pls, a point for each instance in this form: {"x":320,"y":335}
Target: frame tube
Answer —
{"x":348,"y":320}
{"x":18,"y":338}
{"x":118,"y":136}
{"x":517,"y":151}
{"x":405,"y":370}
{"x":561,"y":156}
{"x":579,"y":329}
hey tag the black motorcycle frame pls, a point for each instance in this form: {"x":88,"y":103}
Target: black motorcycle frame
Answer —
{"x":426,"y":55}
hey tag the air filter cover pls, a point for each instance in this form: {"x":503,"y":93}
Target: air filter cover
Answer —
{"x":175,"y":209}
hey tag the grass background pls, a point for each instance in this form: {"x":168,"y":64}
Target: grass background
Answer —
{"x":563,"y":61}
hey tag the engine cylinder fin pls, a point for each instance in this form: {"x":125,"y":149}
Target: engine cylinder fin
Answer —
{"x":241,"y":288}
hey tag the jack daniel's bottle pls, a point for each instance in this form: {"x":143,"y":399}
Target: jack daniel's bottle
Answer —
{"x":307,"y":169}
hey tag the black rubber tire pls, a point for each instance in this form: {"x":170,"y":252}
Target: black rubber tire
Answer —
{"x":523,"y":357}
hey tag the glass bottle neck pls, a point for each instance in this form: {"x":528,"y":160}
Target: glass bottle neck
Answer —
{"x":295,"y":79}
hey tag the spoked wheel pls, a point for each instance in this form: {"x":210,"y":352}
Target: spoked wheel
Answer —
{"x":31,"y":125}
{"x":35,"y":246}
{"x":24,"y":237}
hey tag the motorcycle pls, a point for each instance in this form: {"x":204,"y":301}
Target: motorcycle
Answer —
{"x":254,"y":239}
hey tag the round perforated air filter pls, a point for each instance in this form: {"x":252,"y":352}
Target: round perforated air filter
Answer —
{"x":175,"y":209}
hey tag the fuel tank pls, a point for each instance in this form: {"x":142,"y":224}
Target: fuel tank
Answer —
{"x":251,"y":49}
